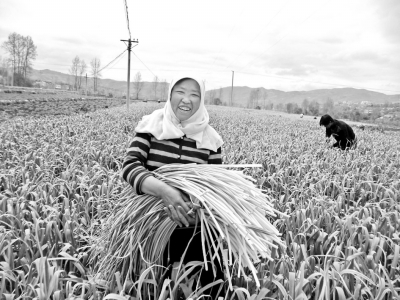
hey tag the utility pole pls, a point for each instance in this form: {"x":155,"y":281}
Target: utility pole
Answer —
{"x":129,"y":68}
{"x":233,"y":74}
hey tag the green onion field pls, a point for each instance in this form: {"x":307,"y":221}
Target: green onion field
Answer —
{"x":59,"y":180}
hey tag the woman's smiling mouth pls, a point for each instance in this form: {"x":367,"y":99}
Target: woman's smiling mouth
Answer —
{"x":184,"y":108}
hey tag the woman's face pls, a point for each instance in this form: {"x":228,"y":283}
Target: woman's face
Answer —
{"x":185,"y":99}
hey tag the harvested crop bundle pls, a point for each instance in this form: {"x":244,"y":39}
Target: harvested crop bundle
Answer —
{"x":227,"y":203}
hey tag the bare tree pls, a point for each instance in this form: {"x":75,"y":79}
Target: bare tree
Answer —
{"x":82,"y":69}
{"x":313,"y":107}
{"x":164,"y":89}
{"x":11,"y":47}
{"x":14,"y":46}
{"x":264,"y":97}
{"x":156,"y":80}
{"x":137,"y":84}
{"x":30,"y":54}
{"x":95,"y":65}
{"x":205,"y":98}
{"x":4,"y":64}
{"x":327,"y":106}
{"x":163,"y":83}
{"x":220,"y":92}
{"x":22,"y":52}
{"x":256,"y":97}
{"x":20,"y":47}
{"x":74,"y":71}
{"x":252,"y":102}
{"x":304,"y":105}
{"x":211,"y":95}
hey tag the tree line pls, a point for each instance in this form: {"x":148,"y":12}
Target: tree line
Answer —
{"x":159,"y":87}
{"x":215,"y":97}
{"x":22,"y":52}
{"x":258,"y":99}
{"x":353,"y":112}
{"x":307,"y":107}
{"x":155,"y":87}
{"x":78,"y":71}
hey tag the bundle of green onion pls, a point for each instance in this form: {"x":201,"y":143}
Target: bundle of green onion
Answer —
{"x":230,"y":206}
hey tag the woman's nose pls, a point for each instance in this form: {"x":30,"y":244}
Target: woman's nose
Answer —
{"x":185,"y":99}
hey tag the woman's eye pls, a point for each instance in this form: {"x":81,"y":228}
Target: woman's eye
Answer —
{"x":195,"y":95}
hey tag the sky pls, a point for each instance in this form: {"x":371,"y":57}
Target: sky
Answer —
{"x":286,"y":45}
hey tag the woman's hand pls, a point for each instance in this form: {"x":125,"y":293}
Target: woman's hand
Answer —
{"x":177,"y":205}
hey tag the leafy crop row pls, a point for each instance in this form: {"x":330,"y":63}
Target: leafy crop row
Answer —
{"x":59,"y":178}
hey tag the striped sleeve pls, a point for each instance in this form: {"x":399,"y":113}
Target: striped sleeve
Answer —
{"x":133,"y":170}
{"x":215,"y":158}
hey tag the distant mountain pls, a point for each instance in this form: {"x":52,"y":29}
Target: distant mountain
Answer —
{"x":118,"y":88}
{"x":241,"y":94}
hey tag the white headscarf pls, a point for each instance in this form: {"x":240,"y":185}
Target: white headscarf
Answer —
{"x":164,"y":125}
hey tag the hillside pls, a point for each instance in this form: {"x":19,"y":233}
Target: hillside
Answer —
{"x":241,"y":94}
{"x":118,"y":88}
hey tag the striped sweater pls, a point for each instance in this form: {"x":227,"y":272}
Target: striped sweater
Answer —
{"x":146,"y":154}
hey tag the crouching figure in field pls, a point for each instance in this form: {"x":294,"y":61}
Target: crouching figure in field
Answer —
{"x":343,"y":133}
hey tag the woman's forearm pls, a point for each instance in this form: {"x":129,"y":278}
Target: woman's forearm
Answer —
{"x":153,"y":186}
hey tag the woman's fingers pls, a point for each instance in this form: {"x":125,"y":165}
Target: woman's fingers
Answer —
{"x":179,"y":207}
{"x":176,"y":216}
{"x":183,"y":216}
{"x":166,"y":209}
{"x":179,"y":215}
{"x":169,"y":213}
{"x":187,"y":205}
{"x":191,"y":218}
{"x":184,"y":205}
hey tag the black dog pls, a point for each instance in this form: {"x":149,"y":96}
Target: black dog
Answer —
{"x":343,"y":133}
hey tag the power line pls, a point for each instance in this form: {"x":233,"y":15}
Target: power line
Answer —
{"x":127,"y":19}
{"x":111,"y":62}
{"x":63,"y":65}
{"x":118,"y":60}
{"x":143,"y":63}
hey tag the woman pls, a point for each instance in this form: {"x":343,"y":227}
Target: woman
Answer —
{"x":341,"y":131}
{"x":178,"y":133}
